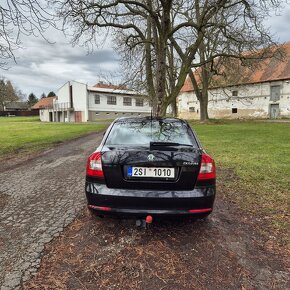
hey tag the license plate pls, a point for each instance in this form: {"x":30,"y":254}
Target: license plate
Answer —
{"x":155,"y":172}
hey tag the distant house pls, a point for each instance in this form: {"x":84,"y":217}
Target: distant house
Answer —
{"x":78,"y":102}
{"x":262,"y":92}
{"x":17,"y":109}
{"x":16,"y":106}
{"x":43,"y":106}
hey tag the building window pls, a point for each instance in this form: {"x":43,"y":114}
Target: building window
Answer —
{"x":97,"y":99}
{"x":191,"y":109}
{"x":234,"y":93}
{"x":111,"y":100}
{"x":127,"y":101}
{"x":275,"y":93}
{"x":97,"y":113}
{"x":234,"y":110}
{"x":139,"y":102}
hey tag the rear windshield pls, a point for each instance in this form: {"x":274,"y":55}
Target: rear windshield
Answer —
{"x":144,"y":132}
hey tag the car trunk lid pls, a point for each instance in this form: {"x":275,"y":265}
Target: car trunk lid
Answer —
{"x":118,"y":161}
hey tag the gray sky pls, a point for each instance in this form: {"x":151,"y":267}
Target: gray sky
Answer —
{"x":43,"y":67}
{"x":279,"y":24}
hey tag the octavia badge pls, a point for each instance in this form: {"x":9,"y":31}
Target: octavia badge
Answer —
{"x":151,"y":157}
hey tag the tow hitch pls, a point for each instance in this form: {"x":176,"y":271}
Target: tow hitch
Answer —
{"x":144,"y":222}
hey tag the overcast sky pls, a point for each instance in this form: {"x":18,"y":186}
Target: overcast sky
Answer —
{"x":43,"y":67}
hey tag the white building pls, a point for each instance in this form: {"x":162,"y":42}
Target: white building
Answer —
{"x":265,"y":94}
{"x":77,"y":102}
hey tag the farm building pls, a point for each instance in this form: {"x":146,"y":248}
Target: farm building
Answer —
{"x":16,"y":106}
{"x":261,"y":92}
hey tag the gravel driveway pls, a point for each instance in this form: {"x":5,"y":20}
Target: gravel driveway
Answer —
{"x":38,"y":198}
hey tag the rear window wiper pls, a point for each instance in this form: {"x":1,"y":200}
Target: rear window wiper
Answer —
{"x":156,"y":144}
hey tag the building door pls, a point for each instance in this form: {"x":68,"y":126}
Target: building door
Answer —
{"x":274,"y":111}
{"x":50,"y":117}
{"x":78,"y":116}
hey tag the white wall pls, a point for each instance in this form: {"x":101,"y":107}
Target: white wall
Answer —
{"x":80,"y":99}
{"x":253,"y":101}
{"x":79,"y":96}
{"x":63,"y":94}
{"x":119,"y":107}
{"x":44,"y":115}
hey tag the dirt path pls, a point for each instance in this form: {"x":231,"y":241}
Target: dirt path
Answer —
{"x":42,"y":196}
{"x":38,"y":198}
{"x":224,"y":252}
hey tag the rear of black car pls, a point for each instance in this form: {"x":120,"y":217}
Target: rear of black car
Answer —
{"x":148,"y":166}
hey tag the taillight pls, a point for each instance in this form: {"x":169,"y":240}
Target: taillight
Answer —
{"x":94,"y":165}
{"x":207,"y":168}
{"x":104,"y":208}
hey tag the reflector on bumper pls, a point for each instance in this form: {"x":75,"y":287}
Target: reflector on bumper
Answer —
{"x":202,"y":210}
{"x":104,"y":208}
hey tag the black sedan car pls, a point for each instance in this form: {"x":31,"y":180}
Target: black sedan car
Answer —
{"x":148,"y":167}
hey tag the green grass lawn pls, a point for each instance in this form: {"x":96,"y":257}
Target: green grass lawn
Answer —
{"x":28,"y":134}
{"x":259,"y":155}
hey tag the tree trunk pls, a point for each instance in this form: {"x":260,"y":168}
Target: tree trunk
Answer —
{"x":161,"y":37}
{"x":160,"y":81}
{"x":163,"y":108}
{"x":174,"y":108}
{"x":203,"y":102}
{"x":202,"y":96}
{"x":148,"y":64}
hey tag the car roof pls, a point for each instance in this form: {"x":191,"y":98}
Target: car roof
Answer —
{"x":148,"y":118}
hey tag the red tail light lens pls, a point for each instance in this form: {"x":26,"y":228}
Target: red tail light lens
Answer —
{"x":207,"y":168}
{"x":104,"y":208}
{"x":94,"y":165}
{"x":202,"y":210}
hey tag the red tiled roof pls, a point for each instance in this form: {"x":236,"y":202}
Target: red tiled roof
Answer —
{"x":187,"y":86}
{"x":270,"y":69}
{"x":42,"y":103}
{"x":110,"y":86}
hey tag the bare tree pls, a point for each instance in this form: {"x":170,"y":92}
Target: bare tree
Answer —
{"x":163,"y":40}
{"x":21,"y":17}
{"x":7,"y":93}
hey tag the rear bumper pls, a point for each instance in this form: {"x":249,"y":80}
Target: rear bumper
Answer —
{"x":140,"y":203}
